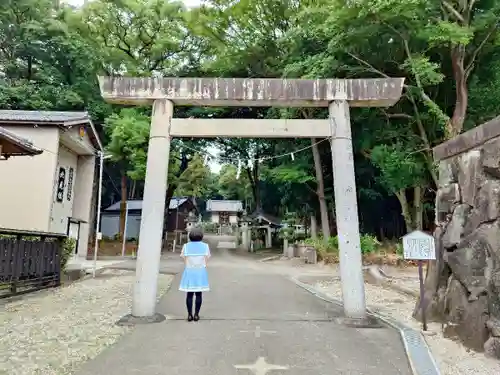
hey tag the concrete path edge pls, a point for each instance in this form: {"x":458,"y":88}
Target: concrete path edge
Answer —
{"x":417,"y":351}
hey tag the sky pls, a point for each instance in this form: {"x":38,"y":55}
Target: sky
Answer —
{"x":213,"y":164}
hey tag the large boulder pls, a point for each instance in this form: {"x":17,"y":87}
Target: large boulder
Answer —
{"x":465,"y":319}
{"x":447,"y":172}
{"x":491,"y":158}
{"x":473,"y":262}
{"x":487,"y":201}
{"x":455,"y":229}
{"x":470,"y":175}
{"x":447,"y":199}
{"x":492,"y":347}
{"x":494,"y":289}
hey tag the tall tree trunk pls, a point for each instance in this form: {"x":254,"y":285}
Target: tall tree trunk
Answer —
{"x":171,"y":190}
{"x":257,"y":185}
{"x":418,"y":207}
{"x":123,"y":204}
{"x":456,"y":123}
{"x":314,"y":227}
{"x":132,"y":190}
{"x":405,"y":209}
{"x":253,"y":177}
{"x":30,"y":68}
{"x":320,"y":191}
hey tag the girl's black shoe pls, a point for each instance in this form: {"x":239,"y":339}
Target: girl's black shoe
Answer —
{"x":190,"y":318}
{"x":196,"y":318}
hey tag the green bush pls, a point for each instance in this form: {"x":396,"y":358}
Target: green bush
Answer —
{"x":369,"y":244}
{"x":327,"y":252}
{"x":330,"y":249}
{"x":399,"y":249}
{"x":68,"y":249}
{"x":209,"y":227}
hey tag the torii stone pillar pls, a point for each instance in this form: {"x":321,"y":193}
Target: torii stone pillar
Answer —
{"x":336,"y":94}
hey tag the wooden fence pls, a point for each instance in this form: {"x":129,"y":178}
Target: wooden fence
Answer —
{"x":29,"y":261}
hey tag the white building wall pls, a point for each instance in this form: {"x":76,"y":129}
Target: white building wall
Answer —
{"x":82,"y":201}
{"x":215,"y":217}
{"x":26,"y":182}
{"x":110,"y":226}
{"x":63,"y":209}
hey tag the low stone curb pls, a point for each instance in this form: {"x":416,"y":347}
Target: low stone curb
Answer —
{"x":401,"y":289}
{"x":113,"y":257}
{"x":268,"y":259}
{"x":417,"y":351}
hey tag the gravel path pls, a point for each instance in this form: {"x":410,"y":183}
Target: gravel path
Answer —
{"x":452,"y":357}
{"x":54,"y":332}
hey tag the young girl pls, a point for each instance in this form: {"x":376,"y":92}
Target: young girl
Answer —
{"x":195,"y":277}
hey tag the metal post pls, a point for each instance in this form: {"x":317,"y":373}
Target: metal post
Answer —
{"x":176,"y":225}
{"x":98,"y":221}
{"x":422,"y":294}
{"x":346,"y":209}
{"x":124,"y":240}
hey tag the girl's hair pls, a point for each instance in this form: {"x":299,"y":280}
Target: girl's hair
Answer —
{"x":196,"y":235}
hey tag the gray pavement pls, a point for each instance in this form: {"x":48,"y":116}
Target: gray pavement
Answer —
{"x":253,"y":321}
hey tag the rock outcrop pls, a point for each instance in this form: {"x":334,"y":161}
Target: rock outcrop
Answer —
{"x":467,"y":296}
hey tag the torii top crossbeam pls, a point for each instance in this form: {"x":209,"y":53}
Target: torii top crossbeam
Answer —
{"x":253,"y":92}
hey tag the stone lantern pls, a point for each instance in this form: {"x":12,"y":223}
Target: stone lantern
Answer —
{"x":245,"y":225}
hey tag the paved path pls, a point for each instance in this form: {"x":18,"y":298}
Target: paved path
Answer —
{"x":254,"y":321}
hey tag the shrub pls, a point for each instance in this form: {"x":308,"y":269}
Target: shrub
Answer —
{"x":209,"y":227}
{"x":369,"y":244}
{"x":328,"y":252}
{"x":68,"y":249}
{"x":399,"y":249}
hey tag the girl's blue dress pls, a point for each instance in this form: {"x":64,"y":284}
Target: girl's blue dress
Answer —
{"x":195,"y":276}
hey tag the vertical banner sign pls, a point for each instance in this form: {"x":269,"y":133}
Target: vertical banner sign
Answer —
{"x":70,"y":184}
{"x":60,"y":185}
{"x":420,"y":246}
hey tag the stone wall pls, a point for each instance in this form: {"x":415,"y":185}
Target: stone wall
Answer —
{"x":468,"y":237}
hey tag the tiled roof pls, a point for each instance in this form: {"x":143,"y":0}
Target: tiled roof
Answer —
{"x":47,"y":117}
{"x":15,"y":145}
{"x":137,"y":204}
{"x":50,"y":118}
{"x":224,"y":206}
{"x":269,"y":218}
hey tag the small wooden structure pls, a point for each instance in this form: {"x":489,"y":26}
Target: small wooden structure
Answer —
{"x":174,"y":218}
{"x":269,"y":223}
{"x":29,"y":261}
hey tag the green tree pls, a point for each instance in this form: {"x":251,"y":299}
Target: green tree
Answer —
{"x":195,"y":180}
{"x":234,"y":186}
{"x":136,"y":37}
{"x":128,"y":135}
{"x":400,"y":172}
{"x":45,"y":64}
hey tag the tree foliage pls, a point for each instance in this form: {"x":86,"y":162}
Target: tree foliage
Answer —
{"x":447,"y":51}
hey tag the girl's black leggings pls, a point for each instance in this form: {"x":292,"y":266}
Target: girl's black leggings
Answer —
{"x":189,"y":303}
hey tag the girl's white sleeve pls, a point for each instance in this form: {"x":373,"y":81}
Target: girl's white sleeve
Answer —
{"x":182,"y":252}
{"x":208,"y":251}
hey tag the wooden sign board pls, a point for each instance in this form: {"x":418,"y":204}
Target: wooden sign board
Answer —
{"x":418,"y":245}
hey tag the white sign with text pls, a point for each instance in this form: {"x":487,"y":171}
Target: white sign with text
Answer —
{"x":418,"y":245}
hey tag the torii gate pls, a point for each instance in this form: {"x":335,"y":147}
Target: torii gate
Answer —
{"x":164,"y":93}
